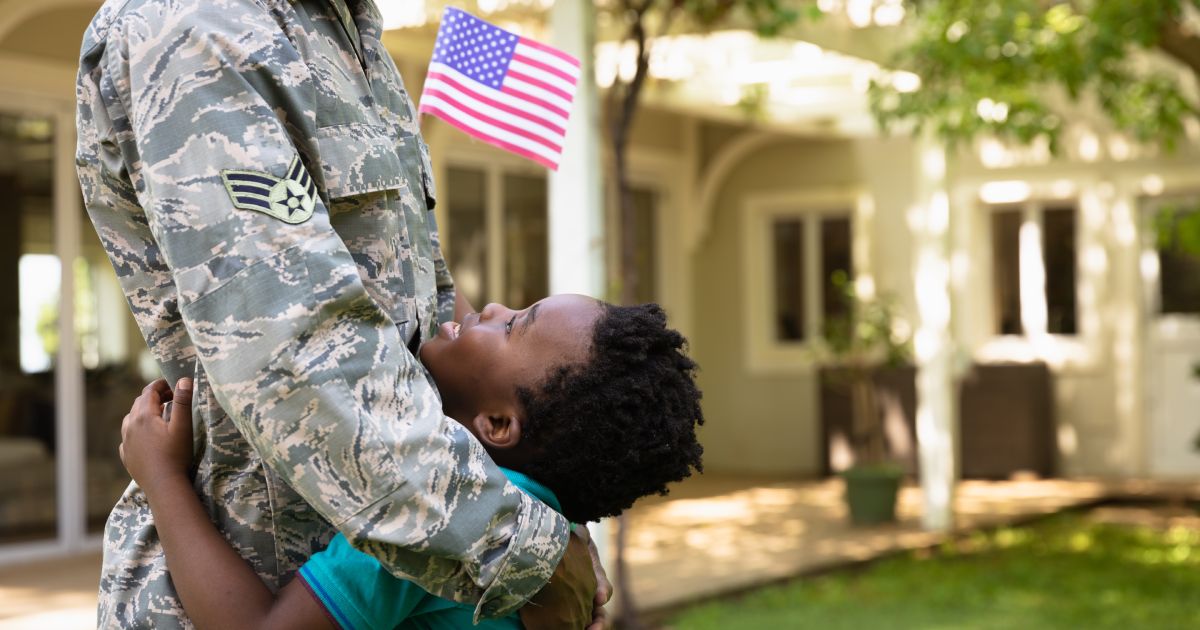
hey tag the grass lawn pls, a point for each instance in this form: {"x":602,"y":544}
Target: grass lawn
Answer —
{"x":1066,"y":572}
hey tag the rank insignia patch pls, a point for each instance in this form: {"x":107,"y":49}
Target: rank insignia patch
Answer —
{"x":290,"y":199}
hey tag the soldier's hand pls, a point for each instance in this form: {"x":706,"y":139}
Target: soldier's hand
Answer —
{"x":567,"y":600}
{"x":153,"y":449}
{"x":604,"y":588}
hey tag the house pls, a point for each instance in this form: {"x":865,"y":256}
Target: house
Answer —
{"x":758,"y":172}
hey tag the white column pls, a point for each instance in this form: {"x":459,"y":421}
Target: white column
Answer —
{"x":71,"y":460}
{"x":576,"y":191}
{"x":576,"y":208}
{"x":937,"y":391}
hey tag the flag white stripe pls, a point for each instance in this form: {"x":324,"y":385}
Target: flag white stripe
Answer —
{"x":502,"y":97}
{"x":466,"y":118}
{"x":524,"y":87}
{"x":542,"y":75}
{"x":551,"y":60}
{"x":466,"y":99}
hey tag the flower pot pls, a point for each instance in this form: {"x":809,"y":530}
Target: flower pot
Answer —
{"x":871,"y":494}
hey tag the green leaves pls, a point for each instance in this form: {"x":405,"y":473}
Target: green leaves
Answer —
{"x":1030,"y":57}
{"x":768,"y":17}
{"x":1177,"y":228}
{"x":867,"y":332}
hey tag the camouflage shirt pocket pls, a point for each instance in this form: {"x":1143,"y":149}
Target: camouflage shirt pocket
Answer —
{"x":358,"y":158}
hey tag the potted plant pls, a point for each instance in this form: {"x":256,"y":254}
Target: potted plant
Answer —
{"x":864,"y":338}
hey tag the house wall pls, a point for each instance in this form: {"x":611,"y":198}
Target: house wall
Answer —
{"x":756,"y":424}
{"x":1104,"y":394}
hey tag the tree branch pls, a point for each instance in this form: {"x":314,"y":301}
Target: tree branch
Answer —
{"x":1180,"y":43}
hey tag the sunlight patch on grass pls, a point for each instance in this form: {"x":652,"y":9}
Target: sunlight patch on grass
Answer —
{"x":1066,"y":572}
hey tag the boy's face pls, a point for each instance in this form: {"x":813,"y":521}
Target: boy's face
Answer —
{"x":479,"y":366}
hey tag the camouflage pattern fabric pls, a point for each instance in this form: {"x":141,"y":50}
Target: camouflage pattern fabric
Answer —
{"x":203,"y":127}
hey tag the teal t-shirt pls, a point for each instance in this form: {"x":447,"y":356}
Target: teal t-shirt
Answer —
{"x":359,"y":594}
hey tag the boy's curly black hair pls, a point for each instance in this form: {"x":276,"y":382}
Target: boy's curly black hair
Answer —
{"x":620,"y":425}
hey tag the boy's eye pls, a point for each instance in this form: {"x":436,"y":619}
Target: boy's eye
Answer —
{"x":508,"y":326}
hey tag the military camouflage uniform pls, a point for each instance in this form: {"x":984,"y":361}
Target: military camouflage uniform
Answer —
{"x":257,"y":176}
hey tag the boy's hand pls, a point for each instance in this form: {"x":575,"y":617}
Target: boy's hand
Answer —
{"x":569,"y":599}
{"x":152,"y":449}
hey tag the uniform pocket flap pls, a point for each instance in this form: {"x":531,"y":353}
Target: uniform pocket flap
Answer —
{"x":357,"y":159}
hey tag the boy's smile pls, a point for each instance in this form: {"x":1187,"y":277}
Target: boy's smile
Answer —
{"x":479,"y":365}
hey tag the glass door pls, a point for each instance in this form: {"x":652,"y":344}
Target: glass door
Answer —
{"x":30,"y":288}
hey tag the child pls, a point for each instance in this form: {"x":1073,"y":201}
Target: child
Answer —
{"x":587,"y":406}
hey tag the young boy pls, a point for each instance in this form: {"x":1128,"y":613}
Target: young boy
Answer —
{"x":587,"y":406}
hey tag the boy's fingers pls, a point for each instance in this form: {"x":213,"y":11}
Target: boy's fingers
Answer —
{"x":183,"y":393}
{"x":181,"y":408}
{"x":160,"y":386}
{"x":147,"y":406}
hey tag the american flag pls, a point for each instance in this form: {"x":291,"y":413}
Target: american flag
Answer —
{"x":504,"y":89}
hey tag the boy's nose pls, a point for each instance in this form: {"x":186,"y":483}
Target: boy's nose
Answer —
{"x":492,"y":310}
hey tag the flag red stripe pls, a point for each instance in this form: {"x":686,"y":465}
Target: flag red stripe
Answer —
{"x":499,"y":124}
{"x":544,"y":67}
{"x":550,"y":51}
{"x":490,"y":139}
{"x":526,"y":96}
{"x":563,"y":94}
{"x":434,"y":77}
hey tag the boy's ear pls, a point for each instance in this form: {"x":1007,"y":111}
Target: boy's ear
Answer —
{"x":498,"y":431}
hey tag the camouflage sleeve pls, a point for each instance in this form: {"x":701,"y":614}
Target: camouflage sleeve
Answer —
{"x":214,"y":113}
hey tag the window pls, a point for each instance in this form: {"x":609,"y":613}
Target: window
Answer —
{"x":496,"y":235}
{"x":797,"y":253}
{"x":1059,"y":257}
{"x":1034,"y":269}
{"x":788,"y":250}
{"x":30,"y":280}
{"x":1006,"y":270}
{"x":1175,"y":228}
{"x":467,"y":248}
{"x":806,"y":254}
{"x":526,"y":240}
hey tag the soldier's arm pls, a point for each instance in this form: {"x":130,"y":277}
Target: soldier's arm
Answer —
{"x":308,"y":366}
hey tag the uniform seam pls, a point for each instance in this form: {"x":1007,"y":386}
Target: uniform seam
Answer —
{"x":103,"y":28}
{"x":272,"y":502}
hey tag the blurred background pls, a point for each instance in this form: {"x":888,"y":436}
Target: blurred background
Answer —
{"x":950,"y":244}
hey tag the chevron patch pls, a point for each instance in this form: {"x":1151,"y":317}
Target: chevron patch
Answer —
{"x":290,"y":199}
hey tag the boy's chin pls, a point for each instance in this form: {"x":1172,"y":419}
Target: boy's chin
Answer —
{"x":431,"y":347}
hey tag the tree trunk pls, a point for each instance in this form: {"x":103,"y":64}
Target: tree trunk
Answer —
{"x":623,"y":115}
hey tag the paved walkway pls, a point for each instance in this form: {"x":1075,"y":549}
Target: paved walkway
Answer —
{"x":714,"y":535}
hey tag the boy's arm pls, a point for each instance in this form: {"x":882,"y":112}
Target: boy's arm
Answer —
{"x":218,"y":589}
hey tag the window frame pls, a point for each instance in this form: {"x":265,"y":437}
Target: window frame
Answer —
{"x":764,"y":352}
{"x":1150,"y":262}
{"x":1033,"y":218}
{"x":1078,"y":352}
{"x":494,"y":165}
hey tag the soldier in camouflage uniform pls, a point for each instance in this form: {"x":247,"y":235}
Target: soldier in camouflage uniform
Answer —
{"x":255,"y":171}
